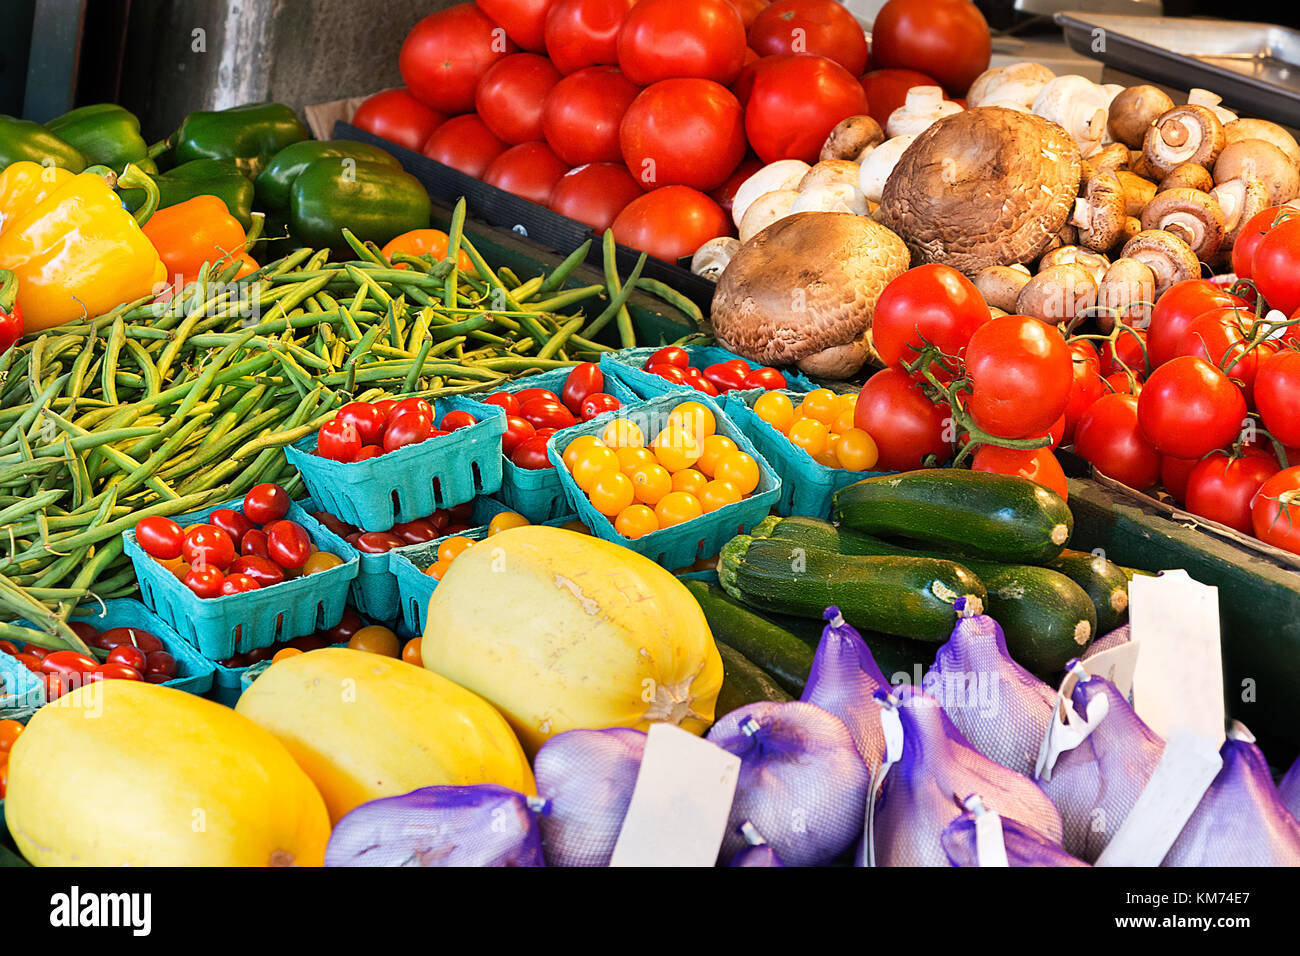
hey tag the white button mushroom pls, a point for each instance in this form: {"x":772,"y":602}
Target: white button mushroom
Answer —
{"x":1078,"y":105}
{"x":1184,"y":134}
{"x":831,"y":197}
{"x":1013,"y":87}
{"x":879,"y":164}
{"x":923,"y":107}
{"x":712,"y":258}
{"x":1269,"y":132}
{"x":830,"y":171}
{"x":765,"y":210}
{"x":783,"y":174}
{"x":1199,"y":97}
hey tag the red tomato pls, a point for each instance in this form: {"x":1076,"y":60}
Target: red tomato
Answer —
{"x":159,"y":537}
{"x":670,"y":223}
{"x":948,"y":39}
{"x":161,"y":662}
{"x":794,"y":104}
{"x":1126,"y":350}
{"x":416,"y":531}
{"x":1174,"y":473}
{"x":266,"y":502}
{"x":1221,"y":488}
{"x":597,"y":403}
{"x":582,"y":113}
{"x":131,"y":636}
{"x":932,"y":304}
{"x":683,"y":132}
{"x":1176,"y":309}
{"x":749,"y":10}
{"x":204,"y":581}
{"x":1220,"y":336}
{"x":231,"y":522}
{"x":673,"y":373}
{"x":887,"y":90}
{"x":1249,"y":236}
{"x":585,"y":379}
{"x":338,"y":440}
{"x":504,"y":400}
{"x":418,"y":405}
{"x":447,"y":52}
{"x":725,"y":194}
{"x":906,"y":425}
{"x":366,"y":418}
{"x":206,"y":544}
{"x":764,"y":378}
{"x":456,"y":420}
{"x":409,"y":428}
{"x":531,"y":454}
{"x":541,"y":413}
{"x":1275,"y":266}
{"x":10,"y":648}
{"x":696,"y":380}
{"x":29,"y":660}
{"x":1275,"y":511}
{"x":237,"y":583}
{"x":1085,"y":388}
{"x":666,"y":39}
{"x":670,"y":355}
{"x":729,"y":376}
{"x":1111,"y":440}
{"x":398,"y":116}
{"x":1188,"y":407}
{"x":1037,"y":464}
{"x":117,"y":671}
{"x":1020,"y":373}
{"x":518,"y":431}
{"x":529,"y":170}
{"x":524,"y":20}
{"x":348,"y":625}
{"x":526,"y":395}
{"x":1277,"y":396}
{"x":594,"y":194}
{"x":511,"y":93}
{"x":584,"y":32}
{"x":386,"y":406}
{"x":288,"y":544}
{"x":379,"y":542}
{"x":253,"y":543}
{"x":464,"y":143}
{"x":262,"y":570}
{"x":336,"y":525}
{"x":821,"y":27}
{"x":67,"y":662}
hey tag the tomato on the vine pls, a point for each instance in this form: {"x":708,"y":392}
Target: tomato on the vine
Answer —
{"x":1249,"y":236}
{"x":1036,"y":464}
{"x":1275,"y":511}
{"x":1020,"y":374}
{"x":1180,"y":305}
{"x":905,"y":423}
{"x":1189,"y":407}
{"x":1109,"y":438}
{"x":1275,"y":266}
{"x":665,"y":39}
{"x":1221,"y":337}
{"x":1126,"y":350}
{"x":1277,"y":395}
{"x":821,"y":27}
{"x":1221,"y":487}
{"x":929,"y":305}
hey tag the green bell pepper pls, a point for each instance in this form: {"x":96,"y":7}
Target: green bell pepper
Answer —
{"x":246,"y":136}
{"x":22,"y":139}
{"x":105,"y":134}
{"x":201,"y":177}
{"x":276,"y":178}
{"x":375,"y":201}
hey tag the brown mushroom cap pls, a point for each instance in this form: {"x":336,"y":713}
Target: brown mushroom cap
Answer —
{"x":1100,"y":211}
{"x":1192,"y":215}
{"x":1114,"y":156}
{"x":1133,"y":110}
{"x":1240,"y":199}
{"x":1168,"y":257}
{"x":1057,"y":294}
{"x":1137,"y":191}
{"x":983,"y":187}
{"x":830,"y":171}
{"x":1126,"y":283}
{"x":1262,"y":160}
{"x":1187,"y":176}
{"x":1240,"y":129}
{"x":1132,"y":226}
{"x":1000,"y":285}
{"x":1184,"y":134}
{"x":851,"y":138}
{"x":805,"y":284}
{"x":1094,"y":262}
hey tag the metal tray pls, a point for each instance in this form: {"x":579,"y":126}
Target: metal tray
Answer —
{"x":1255,"y":67}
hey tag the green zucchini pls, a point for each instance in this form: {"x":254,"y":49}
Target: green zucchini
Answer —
{"x":1104,"y":581}
{"x":997,"y":517}
{"x":743,"y":682}
{"x":1046,"y":617}
{"x":907,"y":596}
{"x":778,"y":652}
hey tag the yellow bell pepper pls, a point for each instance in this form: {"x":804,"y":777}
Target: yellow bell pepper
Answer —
{"x":74,"y":248}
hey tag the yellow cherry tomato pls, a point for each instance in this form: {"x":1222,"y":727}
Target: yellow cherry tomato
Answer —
{"x":412,"y":652}
{"x":636,"y":521}
{"x":718,"y":494}
{"x":574,"y":449}
{"x":826,"y":458}
{"x":696,"y":418}
{"x":713,"y":448}
{"x":505,"y":521}
{"x":739,"y":469}
{"x":677,"y":507}
{"x":776,"y":409}
{"x":676,"y":448}
{"x":284,"y":652}
{"x":650,"y":483}
{"x":857,"y":450}
{"x":452,"y":548}
{"x":629,"y":458}
{"x":319,"y":561}
{"x":592,"y":464}
{"x":611,"y":492}
{"x":437,"y":569}
{"x":690,"y":481}
{"x":821,"y":404}
{"x":377,"y":640}
{"x":623,"y":433}
{"x":843,"y":422}
{"x":846,"y":402}
{"x":810,"y":435}
{"x":576,"y":525}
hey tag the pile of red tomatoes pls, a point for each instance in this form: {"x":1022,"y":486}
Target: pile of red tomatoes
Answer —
{"x":672,"y":362}
{"x":364,"y":430}
{"x":533,"y":415}
{"x":646,"y":115}
{"x":133,"y":654}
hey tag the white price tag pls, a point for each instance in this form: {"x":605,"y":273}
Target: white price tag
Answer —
{"x":679,"y":807}
{"x":1117,"y":665}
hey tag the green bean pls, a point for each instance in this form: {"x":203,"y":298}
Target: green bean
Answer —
{"x":551,"y":348}
{"x":568,"y":298}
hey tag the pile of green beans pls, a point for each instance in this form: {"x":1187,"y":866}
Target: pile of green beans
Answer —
{"x":166,"y":407}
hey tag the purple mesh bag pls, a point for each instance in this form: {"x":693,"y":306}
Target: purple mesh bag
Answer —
{"x":1095,"y":784}
{"x":1023,"y":845}
{"x":587,"y":778}
{"x":758,"y":852}
{"x":479,"y":825}
{"x":1108,"y":640}
{"x":1289,"y":789}
{"x":802,"y":782}
{"x":843,"y":681}
{"x":937,"y":765}
{"x":1241,"y":820}
{"x":1001,"y":708}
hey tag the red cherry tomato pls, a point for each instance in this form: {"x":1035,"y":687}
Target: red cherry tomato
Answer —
{"x":207,"y":545}
{"x":288,"y":544}
{"x":119,"y":671}
{"x":1020,"y":372}
{"x":948,"y":39}
{"x":795,"y":102}
{"x":584,"y":32}
{"x":544,"y":414}
{"x":505,"y":400}
{"x":253,"y":543}
{"x":416,"y":531}
{"x":526,"y":395}
{"x":67,"y":662}
{"x":131,"y":636}
{"x":159,"y":537}
{"x":1038,"y":464}
{"x":204,"y":581}
{"x":29,"y":660}
{"x":518,"y":430}
{"x":418,"y":405}
{"x":464,"y":143}
{"x":729,"y":376}
{"x":398,"y":116}
{"x":594,"y":194}
{"x":670,"y":223}
{"x":407,"y":428}
{"x":597,"y":404}
{"x":821,"y":27}
{"x":765,"y":378}
{"x":367,"y":452}
{"x":673,"y":373}
{"x":932,"y":304}
{"x":906,"y":425}
{"x":236,"y":583}
{"x":1181,"y":303}
{"x":1109,"y":437}
{"x":531,"y":454}
{"x":582,"y":114}
{"x":1221,"y":488}
{"x":232,"y":523}
{"x":336,"y":525}
{"x":457,"y":419}
{"x":128,"y":655}
{"x":684,"y":132}
{"x":664,"y":39}
{"x":263,"y":571}
{"x":161,"y":662}
{"x":366,"y":418}
{"x":379,"y":542}
{"x":10,"y":648}
{"x":348,"y":625}
{"x":529,"y":170}
{"x":585,"y":379}
{"x":1275,"y":511}
{"x":338,"y":441}
{"x":385,"y":406}
{"x":510,"y":96}
{"x":446,"y":54}
{"x":669,"y":355}
{"x":266,"y":502}
{"x":1188,"y":407}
